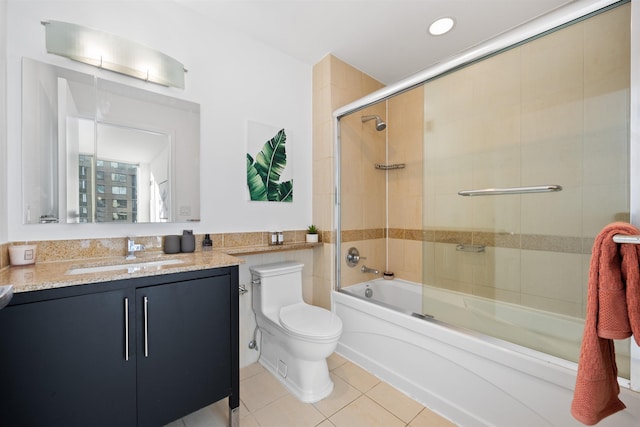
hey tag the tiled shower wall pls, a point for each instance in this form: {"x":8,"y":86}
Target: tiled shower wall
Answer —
{"x":552,"y":111}
{"x":382,"y":210}
{"x":405,"y":186}
{"x":335,"y":84}
{"x":363,"y":195}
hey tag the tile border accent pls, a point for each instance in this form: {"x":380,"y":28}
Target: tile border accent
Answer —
{"x":534,"y":242}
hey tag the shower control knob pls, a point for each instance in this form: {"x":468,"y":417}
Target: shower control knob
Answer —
{"x":353,"y":257}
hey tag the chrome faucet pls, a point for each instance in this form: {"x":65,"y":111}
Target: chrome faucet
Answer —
{"x":366,"y":269}
{"x":132,"y":248}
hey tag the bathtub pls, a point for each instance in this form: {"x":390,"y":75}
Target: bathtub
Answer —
{"x":469,"y":377}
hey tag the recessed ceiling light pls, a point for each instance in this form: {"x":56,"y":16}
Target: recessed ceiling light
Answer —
{"x":441,"y":26}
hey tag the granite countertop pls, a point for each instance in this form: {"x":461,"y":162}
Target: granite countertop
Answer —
{"x":51,"y":275}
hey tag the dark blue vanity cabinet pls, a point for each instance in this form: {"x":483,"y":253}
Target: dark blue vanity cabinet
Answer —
{"x":136,"y":352}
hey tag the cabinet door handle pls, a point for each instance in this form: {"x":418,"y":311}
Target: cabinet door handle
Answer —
{"x":146,"y":327}
{"x":126,"y":329}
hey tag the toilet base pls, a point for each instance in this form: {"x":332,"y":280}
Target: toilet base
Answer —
{"x":307,"y":380}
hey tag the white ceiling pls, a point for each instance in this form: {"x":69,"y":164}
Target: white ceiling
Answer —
{"x":386,"y":39}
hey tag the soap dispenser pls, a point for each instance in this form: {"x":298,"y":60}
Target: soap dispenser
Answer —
{"x":188,"y":241}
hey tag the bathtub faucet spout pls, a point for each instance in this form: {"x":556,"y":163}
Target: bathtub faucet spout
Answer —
{"x":366,"y":269}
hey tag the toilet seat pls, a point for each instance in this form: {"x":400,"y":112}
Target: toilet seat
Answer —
{"x":309,"y":321}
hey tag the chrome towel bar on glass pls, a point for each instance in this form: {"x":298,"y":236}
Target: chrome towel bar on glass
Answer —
{"x":623,"y":238}
{"x":511,"y":190}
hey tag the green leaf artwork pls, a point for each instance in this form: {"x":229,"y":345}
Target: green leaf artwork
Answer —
{"x":263,"y":173}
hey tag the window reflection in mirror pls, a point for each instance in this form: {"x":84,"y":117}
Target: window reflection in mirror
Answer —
{"x":99,"y":151}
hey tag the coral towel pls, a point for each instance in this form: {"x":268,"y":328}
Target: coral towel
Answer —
{"x":613,"y":312}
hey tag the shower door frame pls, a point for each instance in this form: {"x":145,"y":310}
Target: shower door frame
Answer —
{"x":540,"y":26}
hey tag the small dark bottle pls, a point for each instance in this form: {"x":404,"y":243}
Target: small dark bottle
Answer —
{"x":207,"y":244}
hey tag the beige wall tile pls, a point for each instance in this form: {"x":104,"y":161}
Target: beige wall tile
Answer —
{"x":413,"y":269}
{"x":396,"y":256}
{"x":553,"y":64}
{"x":322,"y":292}
{"x":552,"y":275}
{"x":607,"y":46}
{"x":429,"y":263}
{"x":496,"y":83}
{"x":553,"y":214}
{"x":453,"y":266}
{"x":374,"y":211}
{"x":321,"y":73}
{"x":352,"y":211}
{"x":501,"y":269}
{"x":552,"y":154}
{"x":323,"y":176}
{"x":449,"y":98}
{"x":321,"y":107}
{"x":323,"y":212}
{"x":452,"y":211}
{"x":497,"y":214}
{"x":323,"y":134}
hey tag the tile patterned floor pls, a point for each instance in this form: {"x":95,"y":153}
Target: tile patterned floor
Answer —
{"x":359,"y":399}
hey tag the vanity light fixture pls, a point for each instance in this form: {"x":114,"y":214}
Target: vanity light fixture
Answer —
{"x":113,"y":53}
{"x":441,"y":26}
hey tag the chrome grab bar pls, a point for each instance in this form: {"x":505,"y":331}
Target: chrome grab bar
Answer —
{"x":623,"y":238}
{"x":511,"y":190}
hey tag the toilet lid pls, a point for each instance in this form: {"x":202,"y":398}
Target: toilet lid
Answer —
{"x":309,"y":320}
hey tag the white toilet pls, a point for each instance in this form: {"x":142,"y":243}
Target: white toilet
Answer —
{"x":297,"y":337}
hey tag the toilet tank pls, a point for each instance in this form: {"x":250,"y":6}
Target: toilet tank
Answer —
{"x":280,"y":285}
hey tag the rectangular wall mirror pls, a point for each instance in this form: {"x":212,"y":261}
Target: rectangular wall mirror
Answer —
{"x":99,"y":151}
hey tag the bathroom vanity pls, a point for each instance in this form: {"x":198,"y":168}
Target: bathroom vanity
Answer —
{"x":139,"y":351}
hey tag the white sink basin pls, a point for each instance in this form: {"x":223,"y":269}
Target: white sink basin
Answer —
{"x":130,"y":267}
{"x":6,"y":293}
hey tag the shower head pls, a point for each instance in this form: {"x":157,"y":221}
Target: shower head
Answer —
{"x":380,"y":125}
